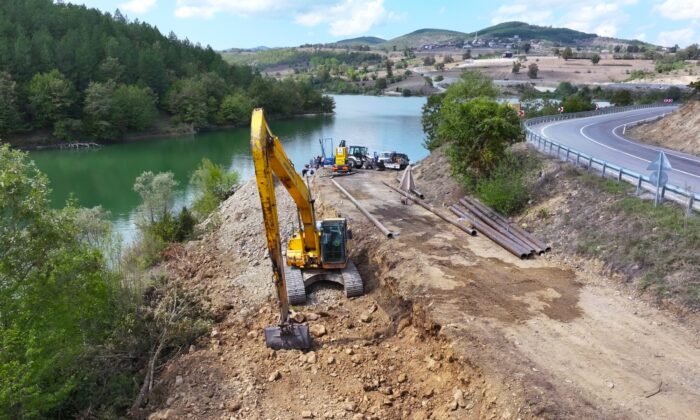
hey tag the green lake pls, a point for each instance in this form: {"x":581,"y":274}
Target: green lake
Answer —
{"x":104,"y":177}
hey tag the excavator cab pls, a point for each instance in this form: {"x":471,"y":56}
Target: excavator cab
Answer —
{"x":334,"y":238}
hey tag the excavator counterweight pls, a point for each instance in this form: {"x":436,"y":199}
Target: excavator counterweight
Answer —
{"x":318,"y":251}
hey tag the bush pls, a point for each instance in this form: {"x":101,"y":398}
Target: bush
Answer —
{"x":213,"y":185}
{"x":478,"y":132}
{"x":516,"y":67}
{"x":506,"y":189}
{"x":532,"y":70}
{"x":58,"y":302}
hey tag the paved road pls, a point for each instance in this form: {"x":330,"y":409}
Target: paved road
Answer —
{"x":601,"y":137}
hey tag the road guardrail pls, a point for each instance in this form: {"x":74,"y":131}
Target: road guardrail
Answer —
{"x":685,"y":197}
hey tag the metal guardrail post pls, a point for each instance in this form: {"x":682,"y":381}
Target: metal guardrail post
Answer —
{"x":619,"y":175}
{"x":691,"y":201}
{"x":567,"y":153}
{"x":639,"y":185}
{"x":605,"y":165}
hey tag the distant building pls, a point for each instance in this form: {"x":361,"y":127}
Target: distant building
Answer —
{"x":508,"y":54}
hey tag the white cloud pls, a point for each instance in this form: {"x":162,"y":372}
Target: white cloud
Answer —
{"x":522,"y":12}
{"x":679,"y":9}
{"x":682,"y":37}
{"x":138,"y":6}
{"x":342,"y":17}
{"x":599,"y":16}
{"x":348,"y":17}
{"x":209,"y":8}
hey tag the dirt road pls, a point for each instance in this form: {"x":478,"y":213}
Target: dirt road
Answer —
{"x":550,"y":340}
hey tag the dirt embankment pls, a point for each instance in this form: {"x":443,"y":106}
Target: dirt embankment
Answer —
{"x":678,"y":131}
{"x":451,"y":326}
{"x":374,"y":357}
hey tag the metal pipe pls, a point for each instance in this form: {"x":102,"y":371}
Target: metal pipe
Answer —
{"x":502,"y":227}
{"x":468,"y":229}
{"x":515,"y":228}
{"x":523,"y":234}
{"x":377,"y":223}
{"x":490,"y":233}
{"x":412,"y":190}
{"x":496,"y":225}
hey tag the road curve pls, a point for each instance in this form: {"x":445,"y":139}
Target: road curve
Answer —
{"x":601,"y":136}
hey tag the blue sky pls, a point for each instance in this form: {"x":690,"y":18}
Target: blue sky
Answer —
{"x":250,"y":23}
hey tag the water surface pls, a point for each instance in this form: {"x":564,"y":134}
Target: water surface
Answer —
{"x":104,"y":177}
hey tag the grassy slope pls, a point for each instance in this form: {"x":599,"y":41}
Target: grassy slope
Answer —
{"x":527,"y":32}
{"x":657,"y":249}
{"x":363,"y":40}
{"x":422,"y":37}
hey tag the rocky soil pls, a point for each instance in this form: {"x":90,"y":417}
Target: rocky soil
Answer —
{"x":451,"y":326}
{"x":678,"y":131}
{"x":374,"y":357}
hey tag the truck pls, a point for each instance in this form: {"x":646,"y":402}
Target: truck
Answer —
{"x":392,"y":160}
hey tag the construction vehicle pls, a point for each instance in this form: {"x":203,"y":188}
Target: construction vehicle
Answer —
{"x":341,"y":159}
{"x":358,"y":157}
{"x":318,"y":251}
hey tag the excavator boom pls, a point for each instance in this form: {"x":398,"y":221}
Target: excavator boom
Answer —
{"x":269,"y":157}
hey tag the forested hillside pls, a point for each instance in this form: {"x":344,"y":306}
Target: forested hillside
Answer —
{"x":82,"y":74}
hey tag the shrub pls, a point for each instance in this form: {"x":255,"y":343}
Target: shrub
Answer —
{"x":506,"y":189}
{"x":532,"y":70}
{"x":213,"y":184}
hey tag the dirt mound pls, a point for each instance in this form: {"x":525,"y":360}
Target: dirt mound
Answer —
{"x":434,"y":176}
{"x":678,"y":131}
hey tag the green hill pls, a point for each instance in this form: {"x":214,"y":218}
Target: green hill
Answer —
{"x":363,"y":40}
{"x":527,"y":32}
{"x":422,"y":37}
{"x":83,"y":74}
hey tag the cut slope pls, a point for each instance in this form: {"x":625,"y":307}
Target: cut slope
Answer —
{"x":678,"y":131}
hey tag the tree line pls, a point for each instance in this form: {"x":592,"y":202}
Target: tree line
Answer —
{"x":83,"y":74}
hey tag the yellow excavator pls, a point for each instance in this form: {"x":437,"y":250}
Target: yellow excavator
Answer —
{"x":318,"y":251}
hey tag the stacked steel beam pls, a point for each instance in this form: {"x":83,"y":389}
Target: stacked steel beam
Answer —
{"x":499,"y":229}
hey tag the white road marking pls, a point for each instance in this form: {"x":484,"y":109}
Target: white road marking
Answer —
{"x":610,"y":147}
{"x":651,"y":148}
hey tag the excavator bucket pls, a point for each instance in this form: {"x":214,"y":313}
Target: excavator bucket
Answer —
{"x":288,"y":337}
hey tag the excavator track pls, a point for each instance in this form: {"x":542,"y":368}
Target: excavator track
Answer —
{"x":296,"y":292}
{"x":352,"y":281}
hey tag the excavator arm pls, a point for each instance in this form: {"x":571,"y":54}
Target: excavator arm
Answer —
{"x":269,"y":158}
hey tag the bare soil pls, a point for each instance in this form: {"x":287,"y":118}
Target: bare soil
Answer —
{"x":451,"y":326}
{"x":678,"y":131}
{"x":553,"y":70}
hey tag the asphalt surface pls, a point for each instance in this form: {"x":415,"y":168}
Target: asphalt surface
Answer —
{"x":602,"y":137}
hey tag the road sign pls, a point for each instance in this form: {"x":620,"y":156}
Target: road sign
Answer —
{"x":659,"y":175}
{"x":653,"y":178}
{"x":661,"y":162}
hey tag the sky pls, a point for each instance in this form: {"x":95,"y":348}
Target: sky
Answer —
{"x":278,"y":23}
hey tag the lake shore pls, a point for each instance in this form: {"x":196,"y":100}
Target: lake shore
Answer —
{"x":39,"y":140}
